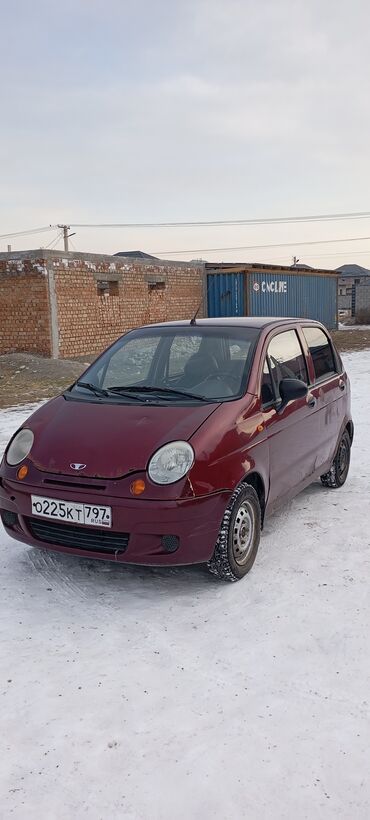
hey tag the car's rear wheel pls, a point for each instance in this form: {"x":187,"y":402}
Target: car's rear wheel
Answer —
{"x":239,"y":536}
{"x":338,"y":472}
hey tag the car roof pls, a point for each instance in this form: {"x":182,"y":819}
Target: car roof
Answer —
{"x":258,"y":322}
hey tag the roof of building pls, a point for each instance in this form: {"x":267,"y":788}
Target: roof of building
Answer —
{"x":353,"y":270}
{"x":137,"y":255}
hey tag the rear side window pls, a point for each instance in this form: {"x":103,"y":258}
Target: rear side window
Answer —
{"x":321,"y":352}
{"x":286,"y":358}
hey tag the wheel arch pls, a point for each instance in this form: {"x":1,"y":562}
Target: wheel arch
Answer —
{"x":256,"y":481}
{"x":350,"y":429}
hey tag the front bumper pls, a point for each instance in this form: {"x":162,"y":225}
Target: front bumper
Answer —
{"x":194,"y":521}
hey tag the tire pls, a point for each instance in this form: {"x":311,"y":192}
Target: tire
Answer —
{"x":239,"y":536}
{"x":338,"y":472}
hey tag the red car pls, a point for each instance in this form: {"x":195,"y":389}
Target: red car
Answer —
{"x":178,"y":440}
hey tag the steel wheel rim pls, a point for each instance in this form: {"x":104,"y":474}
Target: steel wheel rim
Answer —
{"x":243,"y":533}
{"x":343,"y":458}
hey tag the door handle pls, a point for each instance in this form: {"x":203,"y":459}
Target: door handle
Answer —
{"x":342,"y":385}
{"x":311,"y":401}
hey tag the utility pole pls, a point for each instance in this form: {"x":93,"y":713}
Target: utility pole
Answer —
{"x":65,"y":229}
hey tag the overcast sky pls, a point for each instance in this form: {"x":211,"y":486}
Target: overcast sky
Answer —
{"x":189,"y":110}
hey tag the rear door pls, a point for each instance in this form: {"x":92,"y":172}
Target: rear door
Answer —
{"x":293,"y":433}
{"x":329,"y":386}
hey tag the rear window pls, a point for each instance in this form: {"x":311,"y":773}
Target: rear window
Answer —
{"x":321,"y":352}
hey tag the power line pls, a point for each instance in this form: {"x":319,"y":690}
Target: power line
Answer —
{"x":28,"y":233}
{"x":279,"y":220}
{"x":265,"y":221}
{"x":342,"y":255}
{"x":54,"y":241}
{"x":339,"y":253}
{"x":225,"y":222}
{"x":261,"y":247}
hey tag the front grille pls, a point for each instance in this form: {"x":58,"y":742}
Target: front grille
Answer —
{"x":74,"y":484}
{"x":67,"y":535}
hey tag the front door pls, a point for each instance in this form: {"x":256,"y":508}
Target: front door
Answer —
{"x":293,"y":433}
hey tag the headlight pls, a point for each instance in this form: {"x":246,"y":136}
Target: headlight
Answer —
{"x":20,"y":447}
{"x":171,"y":462}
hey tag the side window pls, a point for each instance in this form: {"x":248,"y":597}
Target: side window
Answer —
{"x":286,"y":358}
{"x":182,"y":349}
{"x":321,"y":352}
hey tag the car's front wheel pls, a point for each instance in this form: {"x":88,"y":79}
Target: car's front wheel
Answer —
{"x":339,"y":469}
{"x":239,"y":536}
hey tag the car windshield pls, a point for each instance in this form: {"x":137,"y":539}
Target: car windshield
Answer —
{"x":173,"y":364}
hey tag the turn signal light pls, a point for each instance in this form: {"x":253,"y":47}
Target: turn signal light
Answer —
{"x":137,"y":487}
{"x":22,"y":472}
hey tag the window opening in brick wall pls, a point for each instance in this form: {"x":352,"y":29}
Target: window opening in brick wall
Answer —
{"x":105,"y":288}
{"x":156,"y":285}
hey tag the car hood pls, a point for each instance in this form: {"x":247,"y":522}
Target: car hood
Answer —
{"x":111,"y":440}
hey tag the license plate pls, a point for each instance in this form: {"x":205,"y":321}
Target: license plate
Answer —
{"x":95,"y":515}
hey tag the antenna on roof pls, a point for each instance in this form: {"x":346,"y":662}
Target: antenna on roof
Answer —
{"x":192,"y":321}
{"x":204,"y":298}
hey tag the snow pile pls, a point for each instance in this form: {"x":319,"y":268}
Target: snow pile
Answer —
{"x":162,"y":694}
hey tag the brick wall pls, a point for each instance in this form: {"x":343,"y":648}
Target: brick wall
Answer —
{"x":97,"y":301}
{"x":85,"y":301}
{"x":24,"y":306}
{"x":344,"y":301}
{"x":87,"y":319}
{"x":362,"y":297}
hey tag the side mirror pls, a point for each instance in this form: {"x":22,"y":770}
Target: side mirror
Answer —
{"x":291,"y":389}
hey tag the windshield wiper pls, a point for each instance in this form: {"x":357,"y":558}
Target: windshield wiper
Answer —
{"x":106,"y":392}
{"x":99,"y":391}
{"x":151,"y":389}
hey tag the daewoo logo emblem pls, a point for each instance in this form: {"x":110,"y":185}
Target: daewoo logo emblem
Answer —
{"x":77,"y":466}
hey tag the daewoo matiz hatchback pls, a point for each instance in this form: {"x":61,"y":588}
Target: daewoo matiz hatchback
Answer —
{"x":177,"y":442}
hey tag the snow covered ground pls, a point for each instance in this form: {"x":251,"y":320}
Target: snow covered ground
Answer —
{"x":162,"y":694}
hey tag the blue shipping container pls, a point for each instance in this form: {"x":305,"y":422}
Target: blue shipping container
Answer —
{"x":225,"y":294}
{"x":270,"y":293}
{"x":292,"y":294}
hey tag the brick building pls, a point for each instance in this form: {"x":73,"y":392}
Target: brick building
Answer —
{"x":361,"y":301}
{"x":65,"y":305}
{"x":350,"y":277}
